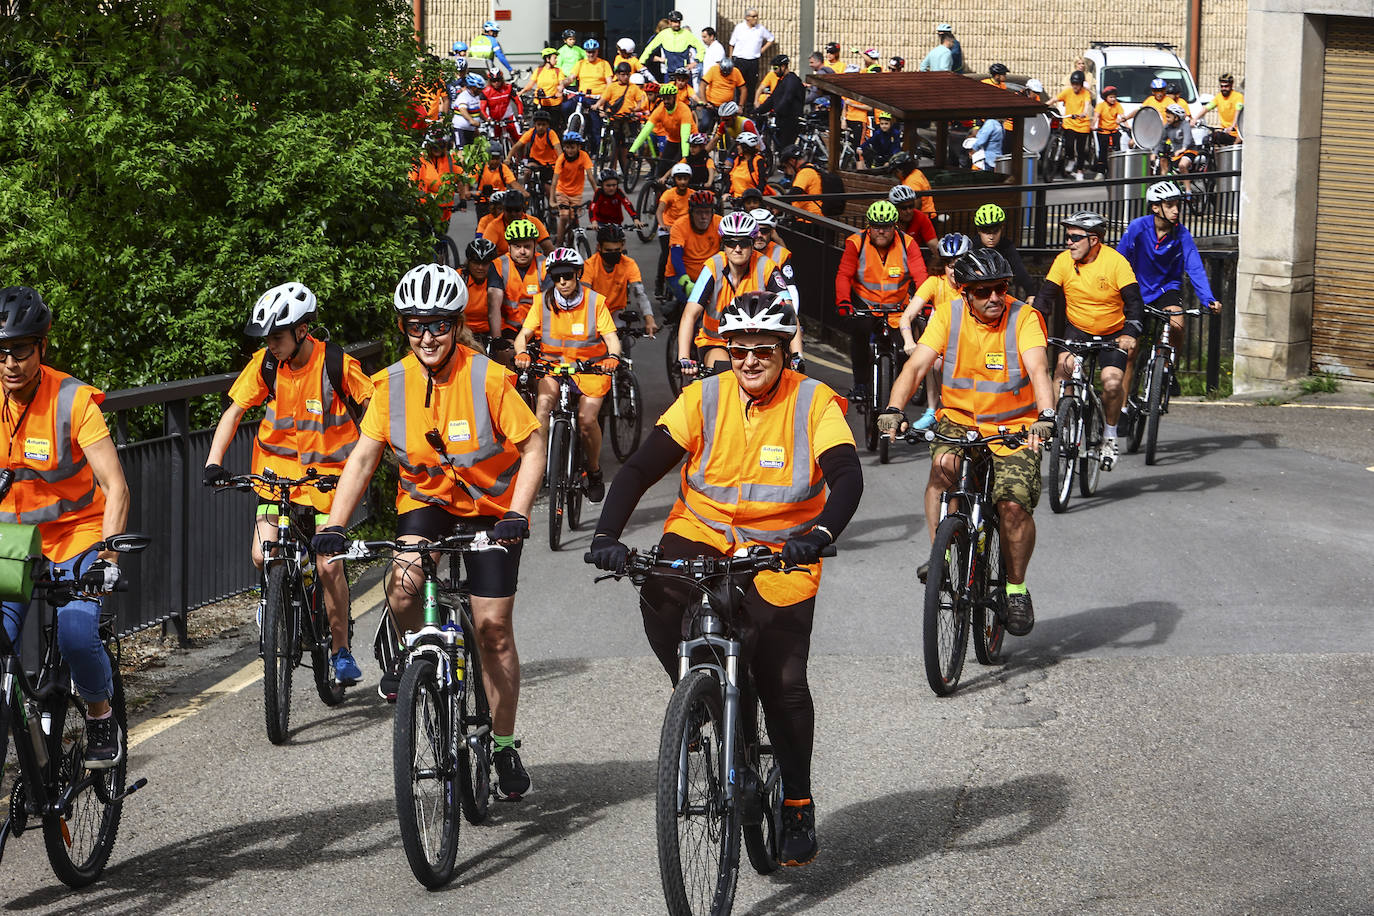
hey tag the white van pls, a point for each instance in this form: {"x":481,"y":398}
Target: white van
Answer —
{"x":1131,"y":66}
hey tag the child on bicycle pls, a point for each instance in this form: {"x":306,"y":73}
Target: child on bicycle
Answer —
{"x":569,"y":180}
{"x":68,"y":481}
{"x":610,"y":204}
{"x":315,"y":395}
{"x":698,"y":159}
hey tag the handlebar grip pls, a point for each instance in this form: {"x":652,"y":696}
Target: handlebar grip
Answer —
{"x":828,"y":550}
{"x":587,"y":557}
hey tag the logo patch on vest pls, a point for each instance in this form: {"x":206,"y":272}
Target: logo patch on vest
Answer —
{"x":995,"y":361}
{"x":37,"y":449}
{"x":894,"y":272}
{"x":579,"y":328}
{"x":458,"y":431}
{"x":772,"y":456}
{"x":313,"y":406}
{"x":531,"y":289}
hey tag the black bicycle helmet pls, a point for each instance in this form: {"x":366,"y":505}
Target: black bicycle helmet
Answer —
{"x":982,"y":265}
{"x":792,"y":151}
{"x":483,"y":251}
{"x":998,"y":70}
{"x":23,"y":313}
{"x":782,"y":60}
{"x":901,"y":160}
{"x":1088,"y":221}
{"x":513,"y":199}
{"x":610,"y":233}
{"x":674,"y":16}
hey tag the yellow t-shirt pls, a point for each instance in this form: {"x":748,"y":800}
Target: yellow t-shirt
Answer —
{"x":937,"y":291}
{"x":1092,"y":291}
{"x":592,"y":76}
{"x":1109,"y":116}
{"x":1228,"y":109}
{"x":1077,"y":103}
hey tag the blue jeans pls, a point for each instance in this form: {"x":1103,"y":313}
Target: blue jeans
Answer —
{"x":78,"y":638}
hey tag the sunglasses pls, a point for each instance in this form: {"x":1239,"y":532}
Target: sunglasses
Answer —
{"x":762,"y":352}
{"x":985,"y":292}
{"x":437,"y":327}
{"x":1073,"y":239}
{"x":738,"y":243}
{"x":18,"y":352}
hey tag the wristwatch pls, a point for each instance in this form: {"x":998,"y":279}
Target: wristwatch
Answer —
{"x":1046,"y":415}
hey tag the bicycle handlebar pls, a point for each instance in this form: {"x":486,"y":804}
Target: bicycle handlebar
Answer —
{"x":1165,"y":313}
{"x":1085,"y":346}
{"x":543,"y":367}
{"x":321,"y":482}
{"x":971,"y":439}
{"x":460,"y":542}
{"x":649,"y":563}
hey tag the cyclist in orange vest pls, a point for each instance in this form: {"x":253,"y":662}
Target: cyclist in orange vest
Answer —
{"x":520,"y":274}
{"x":996,"y":374}
{"x":63,"y":475}
{"x":470,"y":454}
{"x":570,"y":322}
{"x":881,"y":268}
{"x":762,"y":445}
{"x":484,"y":297}
{"x":309,"y":423}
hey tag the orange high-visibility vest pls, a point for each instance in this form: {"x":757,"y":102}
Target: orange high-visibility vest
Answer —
{"x":761,"y":270}
{"x":54,"y":486}
{"x":984,"y":383}
{"x":567,"y":336}
{"x":475,"y":315}
{"x":883,"y":279}
{"x":520,"y":286}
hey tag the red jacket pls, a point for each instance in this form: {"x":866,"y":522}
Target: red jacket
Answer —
{"x":495,"y":103}
{"x":849,"y":266}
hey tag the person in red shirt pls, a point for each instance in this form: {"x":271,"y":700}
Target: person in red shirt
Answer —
{"x":610,"y":204}
{"x":501,"y":104}
{"x":911,"y":219}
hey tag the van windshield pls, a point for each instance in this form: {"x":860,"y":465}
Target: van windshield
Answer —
{"x":1133,"y":83}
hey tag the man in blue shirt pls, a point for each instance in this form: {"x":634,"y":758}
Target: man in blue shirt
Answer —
{"x":940,"y":57}
{"x":989,"y":139}
{"x":1160,"y":251}
{"x":882,"y":144}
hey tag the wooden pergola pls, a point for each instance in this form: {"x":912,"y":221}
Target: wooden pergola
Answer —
{"x":939,"y":97}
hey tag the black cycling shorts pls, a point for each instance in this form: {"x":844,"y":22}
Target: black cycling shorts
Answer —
{"x":1170,"y":298}
{"x":490,"y":573}
{"x":1113,"y":358}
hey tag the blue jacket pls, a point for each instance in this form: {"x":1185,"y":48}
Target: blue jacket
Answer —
{"x":1159,"y":264}
{"x":880,"y":146}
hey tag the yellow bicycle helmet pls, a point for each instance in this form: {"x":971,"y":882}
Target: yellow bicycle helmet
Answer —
{"x":667,"y":89}
{"x":989,"y":215}
{"x":521,"y":230}
{"x":882,"y":213}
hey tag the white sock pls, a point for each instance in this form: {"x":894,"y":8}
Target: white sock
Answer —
{"x":1111,"y":431}
{"x":109,"y":712}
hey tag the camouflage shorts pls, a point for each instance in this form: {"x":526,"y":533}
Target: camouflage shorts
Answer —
{"x":1015,"y":477}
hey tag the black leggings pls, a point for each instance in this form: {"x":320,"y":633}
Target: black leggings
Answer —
{"x":1075,"y":147}
{"x":779,"y":672}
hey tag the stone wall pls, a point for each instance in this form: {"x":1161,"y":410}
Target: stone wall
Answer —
{"x":447,"y":21}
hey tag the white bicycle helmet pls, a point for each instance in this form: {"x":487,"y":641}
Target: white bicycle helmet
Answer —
{"x":431,"y":290}
{"x":1164,"y":190}
{"x":626,"y":46}
{"x":681,"y":168}
{"x":1034,"y":85}
{"x":737,"y":225}
{"x":764,"y":217}
{"x":1177,"y":111}
{"x":748,"y":138}
{"x":281,"y":307}
{"x":637,"y":79}
{"x":729,"y":109}
{"x":759,"y":312}
{"x":901,"y":194}
{"x":561,"y":259}
{"x":955,"y":245}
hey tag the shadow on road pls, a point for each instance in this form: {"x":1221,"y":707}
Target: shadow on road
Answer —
{"x":1130,"y":626}
{"x":1151,"y":483}
{"x":907,"y":526}
{"x":895,"y":830}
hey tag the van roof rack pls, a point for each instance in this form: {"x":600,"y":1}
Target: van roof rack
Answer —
{"x":1134,"y":44}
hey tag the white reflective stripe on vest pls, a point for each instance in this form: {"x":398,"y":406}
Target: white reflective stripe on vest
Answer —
{"x":590,"y":298}
{"x":898,"y":241}
{"x":1017,"y":378}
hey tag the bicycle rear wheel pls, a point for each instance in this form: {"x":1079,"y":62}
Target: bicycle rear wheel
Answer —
{"x":1090,"y":465}
{"x":1159,"y":372}
{"x":884,"y":391}
{"x":474,"y":748}
{"x":627,"y":420}
{"x":426,"y":790}
{"x":946,"y":618}
{"x":647,"y":205}
{"x":698,"y":828}
{"x":988,"y":614}
{"x":80,"y":841}
{"x":1063,"y":452}
{"x":278,"y":635}
{"x":762,"y":840}
{"x":558,"y":449}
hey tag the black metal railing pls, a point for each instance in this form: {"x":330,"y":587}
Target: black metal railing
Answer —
{"x":200,"y":550}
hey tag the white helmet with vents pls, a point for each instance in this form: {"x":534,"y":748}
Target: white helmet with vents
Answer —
{"x":281,"y":307}
{"x":431,"y":290}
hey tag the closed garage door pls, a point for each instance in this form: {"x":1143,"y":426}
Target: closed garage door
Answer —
{"x":1343,"y":297}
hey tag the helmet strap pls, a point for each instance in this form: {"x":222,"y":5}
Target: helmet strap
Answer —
{"x":432,"y":373}
{"x":300,"y":342}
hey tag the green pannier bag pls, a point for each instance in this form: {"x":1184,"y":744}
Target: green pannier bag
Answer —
{"x":20,"y":547}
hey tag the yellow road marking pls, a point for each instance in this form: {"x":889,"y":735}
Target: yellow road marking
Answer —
{"x":1244,"y":404}
{"x":246,"y":676}
{"x":826,"y":363}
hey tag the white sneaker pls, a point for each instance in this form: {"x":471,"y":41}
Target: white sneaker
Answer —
{"x":1109,"y":452}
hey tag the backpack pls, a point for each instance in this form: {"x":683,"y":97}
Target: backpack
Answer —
{"x":830,"y":184}
{"x":333,"y":370}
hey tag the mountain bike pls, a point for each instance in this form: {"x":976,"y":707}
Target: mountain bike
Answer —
{"x":537,"y":178}
{"x":613,"y":148}
{"x":1153,"y":386}
{"x":79,"y":809}
{"x":623,"y":408}
{"x":1079,"y":424}
{"x":966,"y":582}
{"x":577,"y":233}
{"x":577,"y":120}
{"x":717,"y":776}
{"x":886,"y":354}
{"x":441,"y":742}
{"x":566,"y":466}
{"x":294,"y":618}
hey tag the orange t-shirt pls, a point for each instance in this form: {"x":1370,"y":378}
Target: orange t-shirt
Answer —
{"x":669,"y":123}
{"x":571,"y":176}
{"x":1077,"y":103}
{"x":543,"y":150}
{"x":612,"y":285}
{"x":697,"y":248}
{"x":721,"y":88}
{"x":493,"y":226}
{"x":1109,"y":116}
{"x":677,"y":207}
{"x":917,"y":181}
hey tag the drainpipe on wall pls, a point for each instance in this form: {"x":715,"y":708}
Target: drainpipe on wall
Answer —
{"x":1194,"y":37}
{"x":420,"y":22}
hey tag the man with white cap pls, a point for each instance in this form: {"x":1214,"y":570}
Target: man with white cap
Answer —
{"x":941,"y":57}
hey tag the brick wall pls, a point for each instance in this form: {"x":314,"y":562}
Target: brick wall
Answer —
{"x":447,"y":21}
{"x":783,"y":20}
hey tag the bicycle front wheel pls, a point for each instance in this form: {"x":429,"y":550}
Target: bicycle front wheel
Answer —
{"x":698,"y":826}
{"x":575,"y":480}
{"x":326,"y":685}
{"x":558,"y":451}
{"x":278,"y":637}
{"x":79,"y":842}
{"x":584,"y":246}
{"x":883,"y":389}
{"x":946,"y":617}
{"x":1090,"y":465}
{"x":670,"y":363}
{"x":634,"y":168}
{"x":426,"y":789}
{"x":627,"y":420}
{"x":647,"y":205}
{"x":1063,"y":452}
{"x":988,"y":614}
{"x":1159,"y":372}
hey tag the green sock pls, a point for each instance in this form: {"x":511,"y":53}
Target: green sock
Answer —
{"x":503,"y":741}
{"x":1012,"y":589}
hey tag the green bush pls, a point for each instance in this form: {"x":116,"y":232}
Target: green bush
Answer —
{"x":163,"y":162}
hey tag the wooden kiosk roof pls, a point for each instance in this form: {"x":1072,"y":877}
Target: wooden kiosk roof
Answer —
{"x":939,"y":96}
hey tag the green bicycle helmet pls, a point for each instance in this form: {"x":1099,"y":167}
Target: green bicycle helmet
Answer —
{"x":520,"y":230}
{"x":882,"y":213}
{"x":667,"y":89}
{"x":989,"y":215}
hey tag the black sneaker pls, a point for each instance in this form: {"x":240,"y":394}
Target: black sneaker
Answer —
{"x":596,"y":486}
{"x":103,"y":740}
{"x":512,"y":782}
{"x":799,"y":844}
{"x":923,"y":571}
{"x":1175,"y":390}
{"x":1020,"y":617}
{"x":390,"y":684}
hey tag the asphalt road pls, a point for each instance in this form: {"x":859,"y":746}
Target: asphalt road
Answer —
{"x":1185,"y":730}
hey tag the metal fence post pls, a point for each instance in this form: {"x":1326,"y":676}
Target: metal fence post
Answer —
{"x":179,"y":427}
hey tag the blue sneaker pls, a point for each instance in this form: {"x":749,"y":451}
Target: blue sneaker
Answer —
{"x":346,"y":670}
{"x":927,"y":420}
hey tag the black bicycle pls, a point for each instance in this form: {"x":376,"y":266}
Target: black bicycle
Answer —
{"x":717,"y":777}
{"x":537,"y":177}
{"x":1153,"y":386}
{"x":294,"y":618}
{"x":623,"y":409}
{"x":442,"y":741}
{"x":966,"y":582}
{"x":79,"y":808}
{"x":1079,"y":424}
{"x":885,"y":356}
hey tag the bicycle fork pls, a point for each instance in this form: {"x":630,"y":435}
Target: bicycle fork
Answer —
{"x":728,"y":677}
